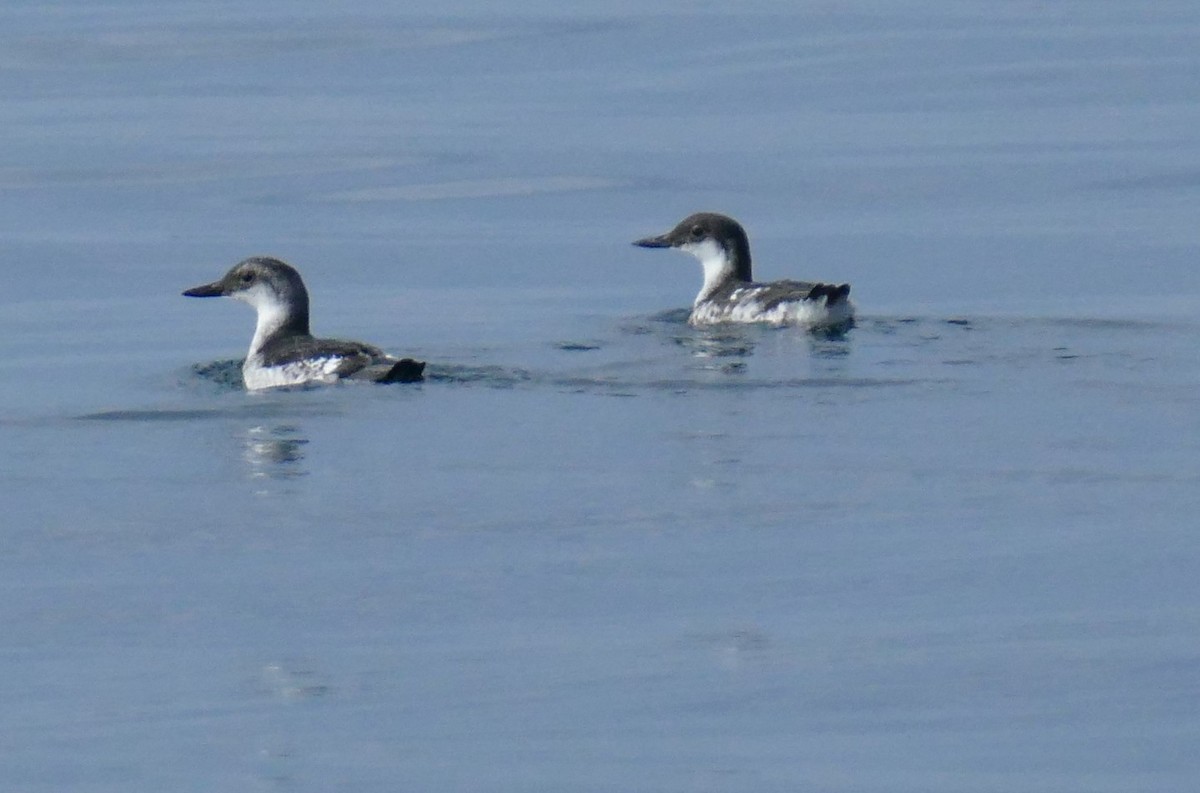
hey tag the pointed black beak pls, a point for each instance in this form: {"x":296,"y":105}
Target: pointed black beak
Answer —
{"x":653,"y":242}
{"x":207,"y":290}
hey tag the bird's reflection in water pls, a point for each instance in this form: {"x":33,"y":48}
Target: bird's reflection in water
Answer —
{"x":727,"y":348}
{"x":274,"y":453}
{"x":718,"y":343}
{"x":829,"y":343}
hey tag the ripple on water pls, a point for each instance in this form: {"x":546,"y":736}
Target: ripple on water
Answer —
{"x":640,"y":355}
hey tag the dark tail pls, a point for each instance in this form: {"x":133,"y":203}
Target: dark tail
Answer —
{"x":833,"y":294}
{"x":404,"y":371}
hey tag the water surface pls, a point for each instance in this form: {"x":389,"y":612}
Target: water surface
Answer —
{"x":952,"y":549}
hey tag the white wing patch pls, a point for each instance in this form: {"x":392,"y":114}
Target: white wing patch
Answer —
{"x":744,"y":307}
{"x":746,"y":294}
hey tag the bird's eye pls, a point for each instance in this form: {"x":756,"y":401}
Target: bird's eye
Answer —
{"x":247,"y":277}
{"x":697,"y":232}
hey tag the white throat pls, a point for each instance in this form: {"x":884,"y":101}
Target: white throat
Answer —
{"x":272,"y":314}
{"x":715,"y":261}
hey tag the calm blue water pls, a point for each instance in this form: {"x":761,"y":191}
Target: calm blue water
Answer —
{"x":952,"y":550}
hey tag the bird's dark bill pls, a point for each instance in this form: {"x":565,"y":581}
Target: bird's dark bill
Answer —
{"x":207,"y":290}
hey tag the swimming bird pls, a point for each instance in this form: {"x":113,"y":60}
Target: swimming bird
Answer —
{"x":283,"y":352}
{"x":729,"y":293}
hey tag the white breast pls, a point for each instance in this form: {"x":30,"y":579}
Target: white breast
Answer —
{"x":310,"y":370}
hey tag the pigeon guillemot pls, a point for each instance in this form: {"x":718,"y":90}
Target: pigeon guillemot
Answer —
{"x":283,"y":352}
{"x":729,"y":293}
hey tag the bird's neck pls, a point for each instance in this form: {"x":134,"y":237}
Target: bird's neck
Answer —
{"x":720,"y":265}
